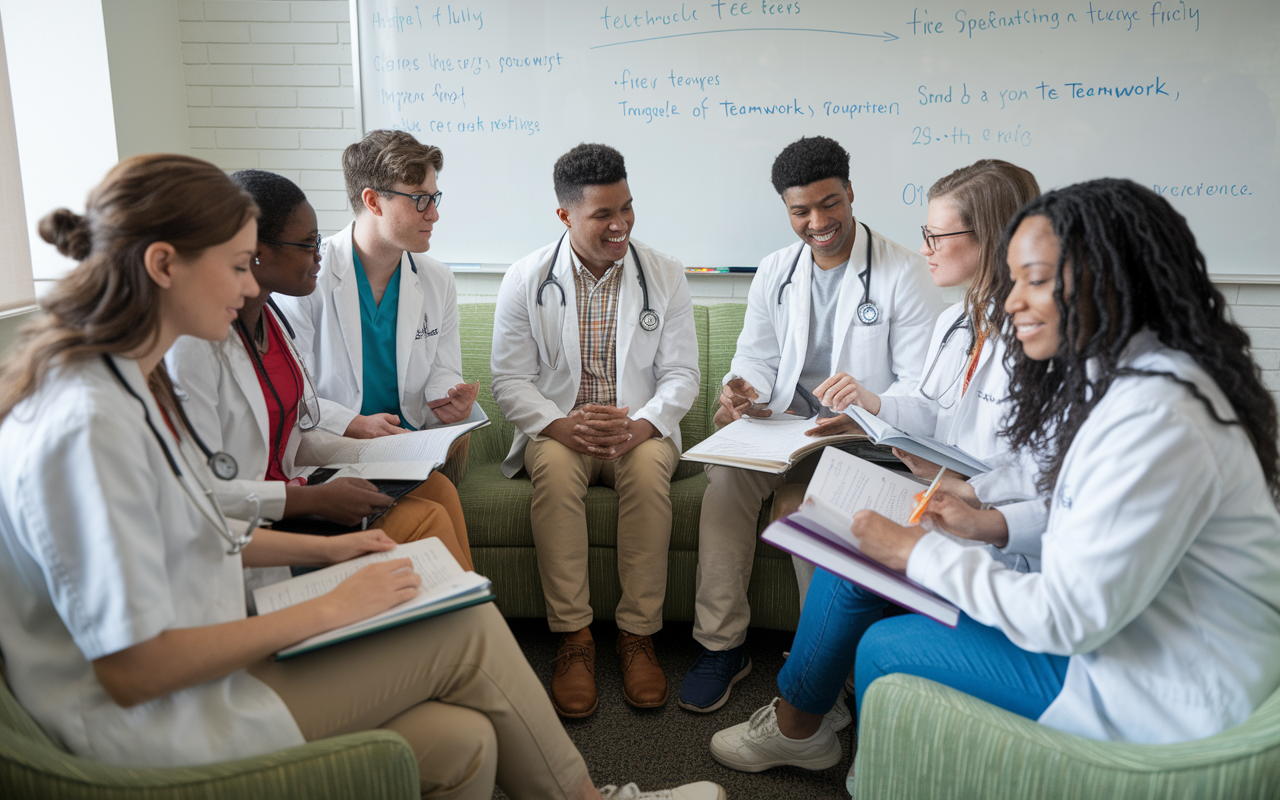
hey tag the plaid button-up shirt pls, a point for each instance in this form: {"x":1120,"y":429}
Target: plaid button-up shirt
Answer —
{"x":597,"y":327}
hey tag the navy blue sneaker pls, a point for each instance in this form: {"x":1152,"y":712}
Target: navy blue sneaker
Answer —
{"x":707,"y":683}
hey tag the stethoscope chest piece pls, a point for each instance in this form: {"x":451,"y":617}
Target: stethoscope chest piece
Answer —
{"x":649,"y":319}
{"x":868,"y":313}
{"x":223,"y":465}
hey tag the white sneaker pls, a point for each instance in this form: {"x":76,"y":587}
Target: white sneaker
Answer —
{"x":839,"y":715}
{"x":703,"y":790}
{"x":757,"y":745}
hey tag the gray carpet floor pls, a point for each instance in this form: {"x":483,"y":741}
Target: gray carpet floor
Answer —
{"x":665,"y":747}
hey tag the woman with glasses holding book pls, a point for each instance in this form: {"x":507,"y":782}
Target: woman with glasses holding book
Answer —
{"x":251,"y":396}
{"x":1155,"y":615}
{"x":960,"y":400}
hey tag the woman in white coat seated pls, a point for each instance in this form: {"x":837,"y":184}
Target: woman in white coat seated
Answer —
{"x":251,"y":396}
{"x":122,"y":616}
{"x":961,"y":399}
{"x":1155,"y":616}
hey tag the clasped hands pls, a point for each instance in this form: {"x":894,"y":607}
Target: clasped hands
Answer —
{"x":601,"y":431}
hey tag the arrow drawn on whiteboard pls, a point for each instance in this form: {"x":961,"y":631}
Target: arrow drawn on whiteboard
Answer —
{"x":886,"y":36}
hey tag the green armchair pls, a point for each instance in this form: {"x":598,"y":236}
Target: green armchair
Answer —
{"x":921,"y":739}
{"x":497,"y":508}
{"x":372,"y":764}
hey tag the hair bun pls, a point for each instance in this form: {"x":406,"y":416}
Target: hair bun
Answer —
{"x":67,"y":231}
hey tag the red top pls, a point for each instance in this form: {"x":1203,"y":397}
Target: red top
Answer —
{"x":973,"y":362}
{"x":286,"y":379}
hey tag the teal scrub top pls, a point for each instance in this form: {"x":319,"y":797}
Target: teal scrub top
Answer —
{"x":378,"y":344}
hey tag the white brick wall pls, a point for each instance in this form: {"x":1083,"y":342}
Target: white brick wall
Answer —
{"x":269,"y":85}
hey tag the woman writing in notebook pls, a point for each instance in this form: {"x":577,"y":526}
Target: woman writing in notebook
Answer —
{"x":960,"y":400}
{"x":122,"y":616}
{"x":1154,"y":616}
{"x":251,"y":396}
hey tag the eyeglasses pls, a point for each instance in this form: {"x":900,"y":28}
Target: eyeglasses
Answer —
{"x":424,"y":201}
{"x":309,"y":245}
{"x":931,"y":239}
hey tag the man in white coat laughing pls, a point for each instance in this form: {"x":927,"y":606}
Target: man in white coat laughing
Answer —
{"x":843,"y":306}
{"x":595,"y":361}
{"x":380,"y":332}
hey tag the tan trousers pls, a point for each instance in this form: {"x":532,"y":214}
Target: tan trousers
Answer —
{"x":642,"y":479}
{"x":727,"y":545}
{"x":432,"y":509}
{"x":457,"y":687}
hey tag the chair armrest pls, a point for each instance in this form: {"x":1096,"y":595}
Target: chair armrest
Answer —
{"x":918,"y":738}
{"x":370,"y":764}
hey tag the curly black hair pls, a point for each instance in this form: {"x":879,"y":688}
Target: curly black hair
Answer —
{"x":1138,"y":267}
{"x":276,"y":196}
{"x":809,"y":159}
{"x":586,"y":165}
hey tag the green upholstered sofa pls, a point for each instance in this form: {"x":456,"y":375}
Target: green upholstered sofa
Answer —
{"x":921,"y":739}
{"x":371,"y":765}
{"x":497,"y":508}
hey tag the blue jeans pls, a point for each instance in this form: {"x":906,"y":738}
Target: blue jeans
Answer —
{"x":842,"y":621}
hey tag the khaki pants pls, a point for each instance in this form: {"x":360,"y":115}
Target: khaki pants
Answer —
{"x":457,"y":687}
{"x":727,"y":545}
{"x":642,"y":479}
{"x":432,"y":509}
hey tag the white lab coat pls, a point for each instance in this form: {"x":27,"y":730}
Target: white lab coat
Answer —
{"x":101,"y":548}
{"x":537,"y":360}
{"x":1161,"y":566}
{"x":885,"y":357}
{"x":222,"y":396}
{"x":428,"y":347}
{"x":968,"y":420}
{"x":972,"y":421}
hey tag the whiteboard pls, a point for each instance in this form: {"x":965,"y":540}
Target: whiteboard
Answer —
{"x":700,"y":97}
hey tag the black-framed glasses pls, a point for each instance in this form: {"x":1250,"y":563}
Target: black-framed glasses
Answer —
{"x":424,"y":201}
{"x":931,"y":239}
{"x":308,"y":245}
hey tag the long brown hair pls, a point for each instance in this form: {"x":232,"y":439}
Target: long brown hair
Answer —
{"x":986,"y":195}
{"x":108,"y":303}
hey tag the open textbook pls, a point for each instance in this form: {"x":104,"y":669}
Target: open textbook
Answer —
{"x":445,"y":587}
{"x":946,"y":455}
{"x":396,"y":465}
{"x":771,"y":444}
{"x":820,"y":531}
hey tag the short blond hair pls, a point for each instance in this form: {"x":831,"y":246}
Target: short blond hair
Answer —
{"x":383,"y":158}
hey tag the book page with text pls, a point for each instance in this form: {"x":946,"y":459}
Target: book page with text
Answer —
{"x":849,"y":484}
{"x":429,"y":444}
{"x":759,"y":439}
{"x":430,"y":559}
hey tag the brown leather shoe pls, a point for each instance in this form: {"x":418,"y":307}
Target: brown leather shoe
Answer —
{"x":643,"y":683}
{"x":573,"y":684}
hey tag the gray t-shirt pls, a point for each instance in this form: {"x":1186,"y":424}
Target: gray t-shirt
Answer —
{"x":823,"y":297}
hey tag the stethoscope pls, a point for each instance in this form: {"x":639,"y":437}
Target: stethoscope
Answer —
{"x":868,"y":311}
{"x":220,"y":463}
{"x":961,"y":323}
{"x":313,"y":418}
{"x":648,"y":317}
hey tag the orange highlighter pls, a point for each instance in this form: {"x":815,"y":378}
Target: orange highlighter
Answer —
{"x":922,"y":499}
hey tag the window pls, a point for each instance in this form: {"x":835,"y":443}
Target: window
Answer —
{"x":17,"y":289}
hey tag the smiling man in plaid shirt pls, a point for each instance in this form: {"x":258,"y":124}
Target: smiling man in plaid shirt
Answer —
{"x":595,"y":361}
